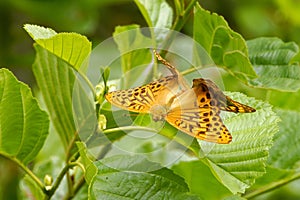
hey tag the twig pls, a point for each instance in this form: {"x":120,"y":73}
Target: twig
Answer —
{"x":59,"y":179}
{"x":271,"y":186}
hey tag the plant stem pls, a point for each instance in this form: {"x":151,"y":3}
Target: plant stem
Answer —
{"x":70,"y":147}
{"x":190,"y":70}
{"x":26,"y":170}
{"x":272,"y":186}
{"x":76,"y":189}
{"x":128,"y":128}
{"x":182,"y":17}
{"x":59,"y":179}
{"x":31,"y":174}
{"x":68,"y":159}
{"x":178,"y":24}
{"x":70,"y":183}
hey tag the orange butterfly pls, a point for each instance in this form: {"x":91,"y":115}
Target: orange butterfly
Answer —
{"x":195,"y":111}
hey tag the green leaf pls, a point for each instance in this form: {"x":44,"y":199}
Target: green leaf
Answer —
{"x":284,"y":154}
{"x":105,"y":74}
{"x":39,"y":32}
{"x":57,"y":57}
{"x":56,"y":78}
{"x":234,"y":197}
{"x":285,"y":100}
{"x":83,"y":107}
{"x":227,"y":48}
{"x":135,"y":54}
{"x":283,"y":168}
{"x":272,"y":58}
{"x":272,"y":175}
{"x":133,"y":177}
{"x":158,"y":14}
{"x":90,"y":169}
{"x":273,"y":178}
{"x":71,"y":47}
{"x":200,"y":179}
{"x":239,"y":163}
{"x":23,"y":125}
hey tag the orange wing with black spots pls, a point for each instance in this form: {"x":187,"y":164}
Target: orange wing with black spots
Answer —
{"x":141,"y":99}
{"x":222,"y":101}
{"x":197,"y":112}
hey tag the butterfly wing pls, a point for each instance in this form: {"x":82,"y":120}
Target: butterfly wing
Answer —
{"x":141,"y":99}
{"x":220,"y":99}
{"x":191,"y":113}
{"x":197,"y":112}
{"x":236,"y":107}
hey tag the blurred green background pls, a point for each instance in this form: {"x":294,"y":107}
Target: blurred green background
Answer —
{"x":96,"y":19}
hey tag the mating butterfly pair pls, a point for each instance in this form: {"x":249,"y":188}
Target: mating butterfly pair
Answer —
{"x":195,"y":111}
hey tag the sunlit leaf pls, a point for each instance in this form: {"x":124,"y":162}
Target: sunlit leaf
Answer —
{"x":272,"y":176}
{"x":284,"y":154}
{"x":135,"y":53}
{"x":71,"y":47}
{"x":133,"y":177}
{"x":23,"y":125}
{"x":199,"y":179}
{"x":57,"y":57}
{"x":159,"y":15}
{"x":239,"y":163}
{"x":90,"y":168}
{"x":227,"y":48}
{"x":39,"y":32}
{"x":271,"y":58}
{"x":285,"y":100}
{"x":55,"y":79}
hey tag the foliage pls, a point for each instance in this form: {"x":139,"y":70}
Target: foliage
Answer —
{"x":105,"y":153}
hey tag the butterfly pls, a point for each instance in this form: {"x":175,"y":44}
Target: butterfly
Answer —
{"x":195,"y":110}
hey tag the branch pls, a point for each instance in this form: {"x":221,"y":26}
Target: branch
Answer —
{"x":59,"y":179}
{"x":128,"y":128}
{"x":272,"y":186}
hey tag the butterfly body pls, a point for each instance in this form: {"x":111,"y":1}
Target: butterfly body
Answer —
{"x":158,"y":112}
{"x":195,"y":111}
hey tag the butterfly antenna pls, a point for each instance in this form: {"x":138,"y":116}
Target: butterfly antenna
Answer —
{"x":172,"y":69}
{"x":163,"y":61}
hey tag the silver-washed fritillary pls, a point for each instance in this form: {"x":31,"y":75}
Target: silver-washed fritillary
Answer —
{"x":195,"y":111}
